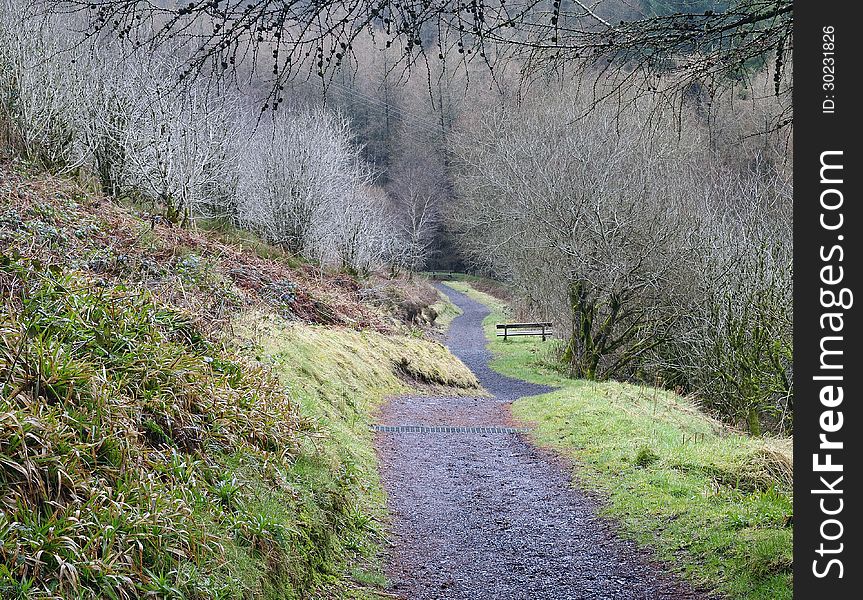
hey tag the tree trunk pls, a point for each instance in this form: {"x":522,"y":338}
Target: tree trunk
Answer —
{"x":753,"y":421}
{"x":581,"y":352}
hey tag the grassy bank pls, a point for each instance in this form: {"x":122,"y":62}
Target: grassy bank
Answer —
{"x":339,"y":377}
{"x":145,"y":451}
{"x":446,"y":311}
{"x":715,"y":504}
{"x":140,"y":457}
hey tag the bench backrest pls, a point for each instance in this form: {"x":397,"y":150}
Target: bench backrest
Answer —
{"x":521,"y":325}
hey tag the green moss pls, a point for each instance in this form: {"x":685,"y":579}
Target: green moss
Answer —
{"x":713,"y":502}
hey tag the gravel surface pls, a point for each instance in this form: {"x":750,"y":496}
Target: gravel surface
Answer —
{"x":466,"y":339}
{"x":490,"y":516}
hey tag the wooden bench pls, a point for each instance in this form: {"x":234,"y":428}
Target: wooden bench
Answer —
{"x":441,"y":275}
{"x":506,"y":330}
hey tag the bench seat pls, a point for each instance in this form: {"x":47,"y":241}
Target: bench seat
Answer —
{"x":506,"y":330}
{"x":512,"y":332}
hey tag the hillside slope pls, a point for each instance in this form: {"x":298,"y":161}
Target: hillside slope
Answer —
{"x":148,"y":451}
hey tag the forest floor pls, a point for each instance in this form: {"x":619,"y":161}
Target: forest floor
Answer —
{"x":488,"y":515}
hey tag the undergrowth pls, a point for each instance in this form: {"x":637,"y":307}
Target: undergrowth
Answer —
{"x":133,"y":451}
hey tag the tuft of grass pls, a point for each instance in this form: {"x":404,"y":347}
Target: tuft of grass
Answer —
{"x":645,"y":457}
{"x":711,"y":501}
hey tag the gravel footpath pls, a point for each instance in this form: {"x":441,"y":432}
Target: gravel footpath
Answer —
{"x":490,"y":516}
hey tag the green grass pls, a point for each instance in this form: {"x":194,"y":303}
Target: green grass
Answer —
{"x":461,"y":282}
{"x":340,"y":377}
{"x":141,"y":456}
{"x":446,"y":311}
{"x":138,"y":456}
{"x":713,"y":503}
{"x":466,"y":281}
{"x":348,"y":364}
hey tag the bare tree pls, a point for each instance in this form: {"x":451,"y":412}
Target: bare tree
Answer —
{"x":365,"y":236}
{"x":39,"y":95}
{"x":419,"y":186}
{"x":309,"y":190}
{"x":668,"y":52}
{"x":733,"y":342}
{"x":659,"y":254}
{"x":181,"y":148}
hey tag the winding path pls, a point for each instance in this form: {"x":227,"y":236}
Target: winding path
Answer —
{"x":487,"y":515}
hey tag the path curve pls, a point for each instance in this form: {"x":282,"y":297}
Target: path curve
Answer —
{"x":488,"y":516}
